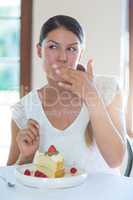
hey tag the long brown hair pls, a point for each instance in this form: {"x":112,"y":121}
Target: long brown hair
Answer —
{"x":89,"y":130}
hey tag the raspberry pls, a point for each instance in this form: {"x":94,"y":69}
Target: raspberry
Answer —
{"x":39,"y":174}
{"x":52,"y":149}
{"x":27,"y":172}
{"x":73,"y":170}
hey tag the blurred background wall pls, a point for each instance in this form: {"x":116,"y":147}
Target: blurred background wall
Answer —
{"x":104,"y":25}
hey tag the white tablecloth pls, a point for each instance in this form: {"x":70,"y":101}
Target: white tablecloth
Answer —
{"x":96,"y":187}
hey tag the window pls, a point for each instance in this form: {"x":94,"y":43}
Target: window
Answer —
{"x":15,"y":43}
{"x":25,"y":46}
{"x":130,"y":98}
{"x":9,"y":45}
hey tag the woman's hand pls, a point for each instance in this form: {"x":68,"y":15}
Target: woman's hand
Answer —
{"x":28,"y":140}
{"x":78,"y":82}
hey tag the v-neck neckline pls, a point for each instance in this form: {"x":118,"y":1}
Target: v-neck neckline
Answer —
{"x":49,"y":122}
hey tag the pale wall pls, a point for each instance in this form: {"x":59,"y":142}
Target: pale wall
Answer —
{"x":102,"y":24}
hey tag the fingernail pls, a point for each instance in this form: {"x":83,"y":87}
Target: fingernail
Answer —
{"x":60,"y":83}
{"x":57,"y":71}
{"x":54,"y":66}
{"x":37,"y":126}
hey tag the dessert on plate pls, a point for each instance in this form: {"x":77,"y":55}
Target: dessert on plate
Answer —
{"x":50,"y":163}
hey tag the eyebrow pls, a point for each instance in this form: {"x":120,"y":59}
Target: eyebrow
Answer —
{"x":75,"y":43}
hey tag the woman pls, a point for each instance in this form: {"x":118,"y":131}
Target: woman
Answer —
{"x":78,"y":113}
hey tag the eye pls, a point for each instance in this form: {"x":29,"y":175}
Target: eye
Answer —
{"x":52,"y":46}
{"x":72,"y":49}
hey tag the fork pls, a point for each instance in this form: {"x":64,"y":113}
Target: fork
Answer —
{"x":9,"y":183}
{"x":12,"y":185}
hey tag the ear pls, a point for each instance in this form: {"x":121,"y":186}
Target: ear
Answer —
{"x":39,"y":50}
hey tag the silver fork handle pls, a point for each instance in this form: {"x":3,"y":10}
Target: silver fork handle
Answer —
{"x":9,"y":184}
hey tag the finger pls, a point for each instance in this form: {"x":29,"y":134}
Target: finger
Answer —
{"x":34,"y":130}
{"x":31,"y":135}
{"x":54,"y":66}
{"x":36,"y":141}
{"x":27,"y":136}
{"x":51,"y":71}
{"x":34,"y":123}
{"x":22,"y":137}
{"x":75,"y":74}
{"x":69,"y":74}
{"x":90,"y":68}
{"x":65,"y":75}
{"x":50,"y":75}
{"x":27,"y":139}
{"x":65,"y":86}
{"x":90,"y":77}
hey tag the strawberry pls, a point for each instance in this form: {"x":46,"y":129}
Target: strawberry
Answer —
{"x":73,"y":170}
{"x":39,"y":174}
{"x":52,"y":149}
{"x":27,"y":172}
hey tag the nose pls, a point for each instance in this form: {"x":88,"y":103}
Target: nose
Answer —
{"x":62,"y":57}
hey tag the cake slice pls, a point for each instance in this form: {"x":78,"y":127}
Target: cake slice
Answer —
{"x":51,"y":163}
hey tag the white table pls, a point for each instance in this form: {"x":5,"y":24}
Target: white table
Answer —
{"x":97,"y":187}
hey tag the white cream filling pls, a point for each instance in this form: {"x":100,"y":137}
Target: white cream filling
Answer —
{"x":40,"y":156}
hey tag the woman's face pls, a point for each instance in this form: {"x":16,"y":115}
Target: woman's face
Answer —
{"x":61,"y":48}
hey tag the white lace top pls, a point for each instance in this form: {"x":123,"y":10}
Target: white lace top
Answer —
{"x":71,"y":141}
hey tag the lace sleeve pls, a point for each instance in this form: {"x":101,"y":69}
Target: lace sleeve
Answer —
{"x":19,"y":115}
{"x":108,"y":87}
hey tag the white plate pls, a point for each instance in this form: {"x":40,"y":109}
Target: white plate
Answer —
{"x":53,"y":183}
